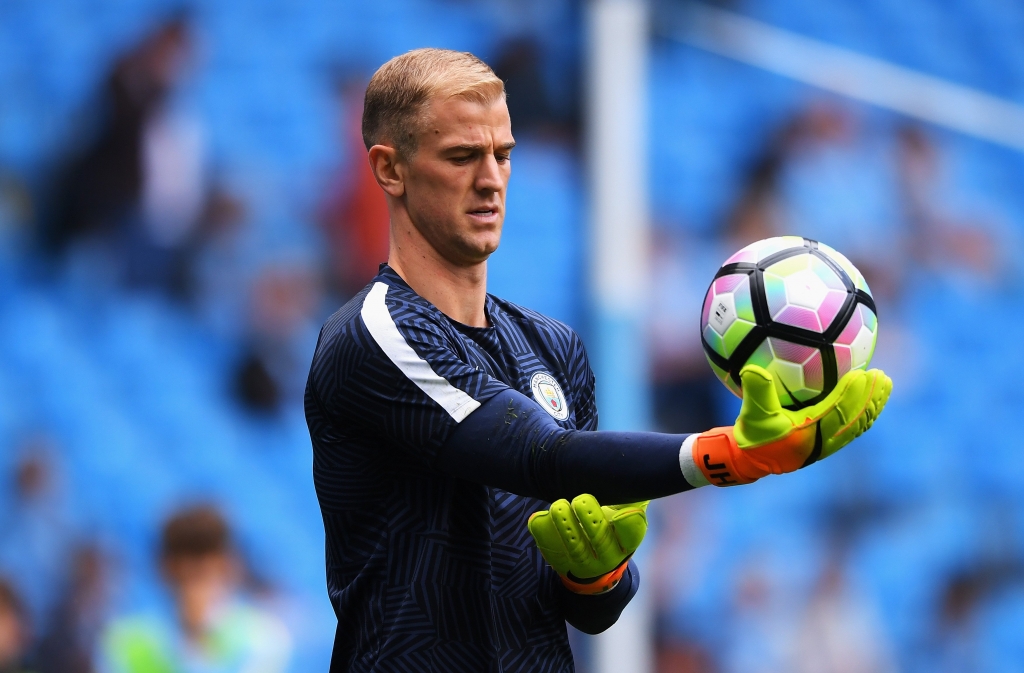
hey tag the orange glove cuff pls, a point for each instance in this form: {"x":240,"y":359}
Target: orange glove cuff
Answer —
{"x":595,"y":585}
{"x":718,"y":457}
{"x":724,"y":463}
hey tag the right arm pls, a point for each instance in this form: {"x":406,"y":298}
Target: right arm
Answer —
{"x":513,"y":444}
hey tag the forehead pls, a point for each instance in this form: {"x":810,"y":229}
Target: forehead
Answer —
{"x":456,"y":120}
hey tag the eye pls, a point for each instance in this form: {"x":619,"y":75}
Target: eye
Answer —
{"x":502,"y":158}
{"x":462,"y":159}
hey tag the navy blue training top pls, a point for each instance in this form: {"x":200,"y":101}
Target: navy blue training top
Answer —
{"x":427,"y":571}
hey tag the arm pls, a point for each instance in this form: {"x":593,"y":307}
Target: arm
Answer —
{"x":510,"y":443}
{"x":513,"y":444}
{"x":407,"y":382}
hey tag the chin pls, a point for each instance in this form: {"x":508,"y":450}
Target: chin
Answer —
{"x":477,"y":254}
{"x":481,"y":246}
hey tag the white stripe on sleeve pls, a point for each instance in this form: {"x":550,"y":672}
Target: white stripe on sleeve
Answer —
{"x":385,"y":332}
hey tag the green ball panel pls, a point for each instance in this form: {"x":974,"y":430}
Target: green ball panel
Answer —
{"x":714,"y":340}
{"x":737,"y":332}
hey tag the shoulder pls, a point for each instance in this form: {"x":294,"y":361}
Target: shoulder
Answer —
{"x":380,"y":311}
{"x":382,"y":341}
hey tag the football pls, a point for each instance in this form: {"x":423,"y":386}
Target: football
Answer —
{"x":794,"y":306}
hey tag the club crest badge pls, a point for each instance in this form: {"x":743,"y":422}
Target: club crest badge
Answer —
{"x":549,"y":395}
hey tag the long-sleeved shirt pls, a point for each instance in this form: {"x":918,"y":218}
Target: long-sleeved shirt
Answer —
{"x":431,"y":567}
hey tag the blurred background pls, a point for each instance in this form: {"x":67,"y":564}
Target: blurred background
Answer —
{"x":184,"y":199}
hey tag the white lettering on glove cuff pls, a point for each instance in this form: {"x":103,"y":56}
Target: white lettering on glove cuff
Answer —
{"x":694,"y":477}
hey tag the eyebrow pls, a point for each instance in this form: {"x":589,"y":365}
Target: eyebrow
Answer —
{"x":476,"y":148}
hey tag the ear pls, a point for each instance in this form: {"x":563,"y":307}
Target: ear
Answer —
{"x":388,"y":169}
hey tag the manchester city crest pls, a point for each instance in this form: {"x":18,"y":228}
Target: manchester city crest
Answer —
{"x":549,"y":395}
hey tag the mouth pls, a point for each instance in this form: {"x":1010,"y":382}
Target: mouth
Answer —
{"x":484,"y":214}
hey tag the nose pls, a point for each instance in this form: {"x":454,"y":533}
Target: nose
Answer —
{"x":489,"y":178}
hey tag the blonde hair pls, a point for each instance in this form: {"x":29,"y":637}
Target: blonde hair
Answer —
{"x":401,"y":88}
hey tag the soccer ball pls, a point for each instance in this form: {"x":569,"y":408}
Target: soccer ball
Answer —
{"x":794,"y":306}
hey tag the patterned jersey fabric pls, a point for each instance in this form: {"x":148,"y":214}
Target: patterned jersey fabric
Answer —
{"x":427,"y":572}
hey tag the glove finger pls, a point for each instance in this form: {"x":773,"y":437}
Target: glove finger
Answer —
{"x":860,"y":406}
{"x":544,"y":531}
{"x":849,"y":387}
{"x":858,"y":418}
{"x":759,"y":395}
{"x":574,"y":540}
{"x":629,"y":525}
{"x":594,"y":525}
{"x":761,"y":418}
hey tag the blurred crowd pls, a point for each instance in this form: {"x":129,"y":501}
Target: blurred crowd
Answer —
{"x":55,"y":608}
{"x":138,"y":201}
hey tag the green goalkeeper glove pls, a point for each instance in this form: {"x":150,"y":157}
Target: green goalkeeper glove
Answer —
{"x":768,"y":439}
{"x":588,"y":545}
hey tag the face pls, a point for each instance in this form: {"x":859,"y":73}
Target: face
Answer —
{"x":455,"y":181}
{"x":199,"y":584}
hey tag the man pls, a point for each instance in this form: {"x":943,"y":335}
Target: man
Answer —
{"x":211,"y":632}
{"x":432,"y":458}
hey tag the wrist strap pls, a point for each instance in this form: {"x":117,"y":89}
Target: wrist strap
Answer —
{"x":595,"y":585}
{"x":723,"y":463}
{"x":717,"y":456}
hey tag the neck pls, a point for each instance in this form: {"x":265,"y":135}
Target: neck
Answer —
{"x":460,"y":292}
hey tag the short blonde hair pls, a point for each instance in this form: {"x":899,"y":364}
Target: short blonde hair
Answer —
{"x":401,"y":88}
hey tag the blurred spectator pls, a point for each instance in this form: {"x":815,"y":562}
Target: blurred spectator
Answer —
{"x":685,"y":392}
{"x":686,"y":579}
{"x":942,"y":235}
{"x":761,"y":624}
{"x":837,"y":186}
{"x":69,"y":641}
{"x":284,"y":297}
{"x":354,"y":216}
{"x":35,"y":530}
{"x":956,"y":646}
{"x":838,"y":632}
{"x":757,"y":213}
{"x":675,"y":655}
{"x":212,"y":242}
{"x":533,"y":109}
{"x":14,"y":631}
{"x":212,"y":630}
{"x":217,"y":273}
{"x":15,"y":206}
{"x":958,"y":632}
{"x":139,"y":183}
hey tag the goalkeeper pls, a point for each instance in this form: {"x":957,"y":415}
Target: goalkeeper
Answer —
{"x":450,"y":428}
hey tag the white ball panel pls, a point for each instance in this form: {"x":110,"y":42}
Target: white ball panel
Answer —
{"x":862,"y":347}
{"x":723,"y":313}
{"x":806,"y":289}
